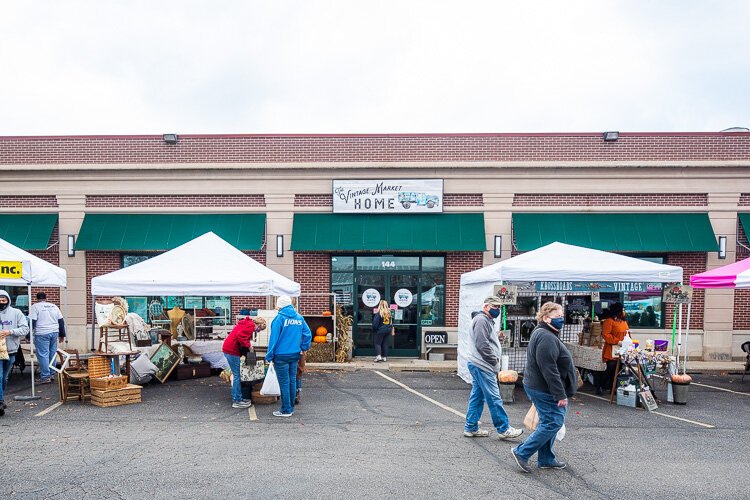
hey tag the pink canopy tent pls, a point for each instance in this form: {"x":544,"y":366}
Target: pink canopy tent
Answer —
{"x":736,"y":275}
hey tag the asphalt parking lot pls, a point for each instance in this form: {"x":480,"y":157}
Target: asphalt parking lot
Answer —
{"x":368,"y":434}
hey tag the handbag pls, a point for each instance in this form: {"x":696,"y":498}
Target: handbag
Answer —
{"x":251,"y":358}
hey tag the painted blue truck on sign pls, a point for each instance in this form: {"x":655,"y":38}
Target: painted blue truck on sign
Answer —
{"x":407,"y":199}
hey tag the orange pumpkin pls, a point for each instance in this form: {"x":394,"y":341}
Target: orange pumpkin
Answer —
{"x":327,"y":313}
{"x":321,"y":330}
{"x":507,"y":376}
{"x":319,"y":339}
{"x":681,"y":379}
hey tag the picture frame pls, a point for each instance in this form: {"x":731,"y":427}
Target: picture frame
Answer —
{"x":165,"y":360}
{"x":66,"y":360}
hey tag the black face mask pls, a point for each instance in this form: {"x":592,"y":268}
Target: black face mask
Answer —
{"x":3,"y":306}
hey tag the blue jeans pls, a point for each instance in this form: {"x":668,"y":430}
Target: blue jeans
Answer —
{"x":484,"y":388}
{"x":234,"y":365}
{"x":551,"y":419}
{"x":5,"y":366}
{"x":46,"y":347}
{"x":286,"y":372}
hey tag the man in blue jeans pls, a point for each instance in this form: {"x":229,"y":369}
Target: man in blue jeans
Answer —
{"x":290,"y":337}
{"x":484,"y":363}
{"x":49,"y":329}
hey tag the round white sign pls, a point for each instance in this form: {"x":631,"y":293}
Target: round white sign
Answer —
{"x":403,"y":297}
{"x":371,"y":297}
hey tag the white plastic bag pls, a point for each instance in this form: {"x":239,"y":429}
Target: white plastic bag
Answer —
{"x":560,"y":434}
{"x":271,"y":383}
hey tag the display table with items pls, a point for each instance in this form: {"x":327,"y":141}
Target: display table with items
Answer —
{"x":587,"y":357}
{"x":634,"y":377}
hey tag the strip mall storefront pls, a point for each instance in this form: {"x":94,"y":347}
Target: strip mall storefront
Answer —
{"x":392,"y":217}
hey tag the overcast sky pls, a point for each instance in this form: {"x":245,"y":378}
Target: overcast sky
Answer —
{"x":353,"y":66}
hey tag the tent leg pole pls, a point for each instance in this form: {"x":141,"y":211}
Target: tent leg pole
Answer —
{"x":31,"y":356}
{"x":93,"y":320}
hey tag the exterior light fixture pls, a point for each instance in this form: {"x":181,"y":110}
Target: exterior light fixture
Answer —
{"x":611,"y":136}
{"x":71,"y":245}
{"x":722,"y":247}
{"x":498,"y":247}
{"x":279,"y":245}
{"x":170,"y":138}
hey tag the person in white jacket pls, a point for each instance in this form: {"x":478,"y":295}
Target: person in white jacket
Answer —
{"x":13,"y":327}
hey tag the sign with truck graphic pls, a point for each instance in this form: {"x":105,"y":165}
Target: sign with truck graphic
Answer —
{"x":388,"y":196}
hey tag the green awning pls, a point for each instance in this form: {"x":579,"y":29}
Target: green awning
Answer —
{"x":396,"y":233}
{"x":27,"y":231}
{"x":745,"y":221}
{"x":617,"y":232}
{"x":151,"y":232}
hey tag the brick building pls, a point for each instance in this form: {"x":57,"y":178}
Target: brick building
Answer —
{"x":125,"y":198}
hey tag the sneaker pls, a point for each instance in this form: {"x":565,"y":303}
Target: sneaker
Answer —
{"x":279,"y":414}
{"x":378,"y":359}
{"x":522,"y":464}
{"x":42,"y":381}
{"x":248,"y":401}
{"x":241,"y":404}
{"x":384,"y":359}
{"x":479,"y":433}
{"x":554,"y":465}
{"x":510,"y":433}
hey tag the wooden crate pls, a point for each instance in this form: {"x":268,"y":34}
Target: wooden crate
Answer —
{"x":129,"y":394}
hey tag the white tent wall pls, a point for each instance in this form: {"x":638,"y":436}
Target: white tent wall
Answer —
{"x":553,"y":262}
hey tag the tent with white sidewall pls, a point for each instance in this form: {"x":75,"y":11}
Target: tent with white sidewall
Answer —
{"x":36,"y":272}
{"x":553,"y":262}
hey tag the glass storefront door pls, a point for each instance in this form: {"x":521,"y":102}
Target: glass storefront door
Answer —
{"x":413,"y":287}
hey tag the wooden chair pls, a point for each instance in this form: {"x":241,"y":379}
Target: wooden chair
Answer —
{"x":74,"y":379}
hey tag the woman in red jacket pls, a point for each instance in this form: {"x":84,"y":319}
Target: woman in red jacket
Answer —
{"x":238,"y":344}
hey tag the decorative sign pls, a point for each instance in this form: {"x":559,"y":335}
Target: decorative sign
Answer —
{"x":508,"y":294}
{"x":11,"y":269}
{"x":380,"y":196}
{"x":403,"y":297}
{"x":595,"y":297}
{"x":436,"y":338}
{"x":371,"y":297}
{"x":678,"y":294}
{"x":594,"y":286}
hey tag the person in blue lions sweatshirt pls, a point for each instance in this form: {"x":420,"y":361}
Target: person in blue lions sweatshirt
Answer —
{"x":290,"y":337}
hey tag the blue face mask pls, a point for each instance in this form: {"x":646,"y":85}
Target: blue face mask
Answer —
{"x":557,"y":323}
{"x":494,"y":312}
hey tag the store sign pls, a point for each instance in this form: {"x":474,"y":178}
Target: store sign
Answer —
{"x":678,"y":294}
{"x":436,"y":338}
{"x":593,"y":286}
{"x":508,"y":294}
{"x":11,"y":269}
{"x":378,"y":196}
{"x":403,"y":297}
{"x":371,"y":297}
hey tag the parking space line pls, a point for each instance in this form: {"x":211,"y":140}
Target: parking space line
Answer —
{"x":721,"y":389}
{"x":251,"y":413}
{"x":47,"y":410}
{"x":694,"y":422}
{"x":426,"y":398}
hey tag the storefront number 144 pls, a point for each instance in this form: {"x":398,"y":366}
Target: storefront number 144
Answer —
{"x":388,"y":263}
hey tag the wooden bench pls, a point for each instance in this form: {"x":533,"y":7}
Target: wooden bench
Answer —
{"x":429,"y":347}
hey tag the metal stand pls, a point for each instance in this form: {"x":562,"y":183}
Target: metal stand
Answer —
{"x":33,"y":395}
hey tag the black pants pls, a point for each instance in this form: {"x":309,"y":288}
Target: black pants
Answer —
{"x":381,"y":343}
{"x":607,"y":376}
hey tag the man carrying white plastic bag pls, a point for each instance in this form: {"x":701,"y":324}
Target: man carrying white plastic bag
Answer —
{"x":271,"y":383}
{"x":290,"y":336}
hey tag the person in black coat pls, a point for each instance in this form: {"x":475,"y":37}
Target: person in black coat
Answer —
{"x":550,"y":378}
{"x":382,"y":328}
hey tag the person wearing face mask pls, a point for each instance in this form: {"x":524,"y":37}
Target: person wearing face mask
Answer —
{"x":13,"y":327}
{"x":549,"y":379}
{"x":235,"y":345}
{"x":614,"y":329}
{"x":483,"y":362}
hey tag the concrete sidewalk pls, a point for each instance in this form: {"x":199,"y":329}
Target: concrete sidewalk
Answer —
{"x":421,"y":365}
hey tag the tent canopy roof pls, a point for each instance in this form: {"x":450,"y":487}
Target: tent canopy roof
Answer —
{"x":562,"y":262}
{"x":42,"y":272}
{"x":207,"y":265}
{"x":735,"y":275}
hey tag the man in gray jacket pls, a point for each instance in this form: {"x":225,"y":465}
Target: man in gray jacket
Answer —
{"x":13,"y":327}
{"x":483,"y":362}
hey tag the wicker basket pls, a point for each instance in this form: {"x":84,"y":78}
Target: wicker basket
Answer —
{"x":108,"y":383}
{"x":99,"y":366}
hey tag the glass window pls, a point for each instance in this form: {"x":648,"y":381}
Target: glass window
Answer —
{"x":387,"y":263}
{"x":342,"y":284}
{"x":644,"y":309}
{"x":433,"y":263}
{"x":128,"y":260}
{"x":342,"y":263}
{"x":19,"y":297}
{"x":432,"y":299}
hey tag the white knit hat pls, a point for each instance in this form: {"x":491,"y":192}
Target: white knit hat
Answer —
{"x":283,"y":301}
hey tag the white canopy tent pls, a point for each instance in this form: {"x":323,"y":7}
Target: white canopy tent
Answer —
{"x":207,"y":265}
{"x":553,"y":262}
{"x":35,"y":272}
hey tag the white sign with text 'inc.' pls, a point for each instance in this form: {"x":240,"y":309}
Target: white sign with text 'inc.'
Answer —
{"x":379,"y":196}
